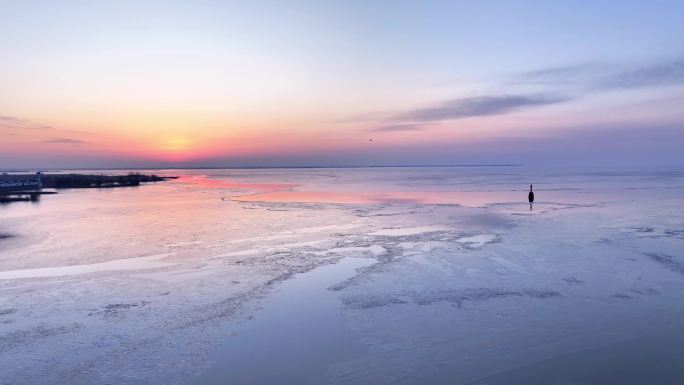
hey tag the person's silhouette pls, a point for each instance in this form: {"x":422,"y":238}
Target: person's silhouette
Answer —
{"x":530,"y":197}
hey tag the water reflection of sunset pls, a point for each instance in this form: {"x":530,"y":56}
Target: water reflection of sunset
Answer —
{"x":470,"y":198}
{"x":205,"y":182}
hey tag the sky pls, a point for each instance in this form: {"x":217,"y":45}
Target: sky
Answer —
{"x":328,"y":83}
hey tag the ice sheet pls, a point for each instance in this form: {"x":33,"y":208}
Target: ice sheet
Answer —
{"x":452,"y":293}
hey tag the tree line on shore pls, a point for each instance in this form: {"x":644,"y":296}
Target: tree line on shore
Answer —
{"x":97,"y":181}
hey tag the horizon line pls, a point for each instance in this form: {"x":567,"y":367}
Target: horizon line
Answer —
{"x":255,"y":167}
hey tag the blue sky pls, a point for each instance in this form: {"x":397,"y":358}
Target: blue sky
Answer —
{"x":145,"y":83}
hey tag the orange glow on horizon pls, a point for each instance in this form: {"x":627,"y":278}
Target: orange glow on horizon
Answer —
{"x":175,"y":144}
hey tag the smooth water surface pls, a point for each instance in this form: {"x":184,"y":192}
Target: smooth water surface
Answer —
{"x":298,"y":334}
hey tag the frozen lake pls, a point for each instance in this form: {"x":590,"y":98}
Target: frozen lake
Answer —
{"x":349,"y":276}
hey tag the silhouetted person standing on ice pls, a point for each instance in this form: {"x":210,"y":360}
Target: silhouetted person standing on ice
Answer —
{"x":530,"y":197}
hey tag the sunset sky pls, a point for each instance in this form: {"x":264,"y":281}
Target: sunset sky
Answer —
{"x":298,"y":83}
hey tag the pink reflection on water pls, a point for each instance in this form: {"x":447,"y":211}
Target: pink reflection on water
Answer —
{"x":206,"y":182}
{"x":467,"y":198}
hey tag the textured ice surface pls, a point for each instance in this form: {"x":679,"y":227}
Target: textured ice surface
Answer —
{"x":145,"y":285}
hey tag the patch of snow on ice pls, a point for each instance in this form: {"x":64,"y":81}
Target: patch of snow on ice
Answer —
{"x":149,"y":262}
{"x":477,"y":241}
{"x":409,"y":231}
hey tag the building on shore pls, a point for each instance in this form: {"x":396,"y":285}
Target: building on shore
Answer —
{"x":20,"y":183}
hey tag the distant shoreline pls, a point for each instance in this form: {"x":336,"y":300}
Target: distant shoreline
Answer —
{"x":65,"y":181}
{"x":259,"y":167}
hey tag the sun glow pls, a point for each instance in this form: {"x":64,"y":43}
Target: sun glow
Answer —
{"x":175,"y":144}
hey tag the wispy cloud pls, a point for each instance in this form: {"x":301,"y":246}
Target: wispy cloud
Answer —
{"x":14,"y":122}
{"x":595,"y":77}
{"x":63,"y":141}
{"x":569,"y":74}
{"x":660,"y":74}
{"x":401,"y":127}
{"x":461,"y":108}
{"x":558,"y":85}
{"x":478,"y":106}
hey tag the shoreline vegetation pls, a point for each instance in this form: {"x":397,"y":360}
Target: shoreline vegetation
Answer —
{"x":62,"y":181}
{"x":67,"y":181}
